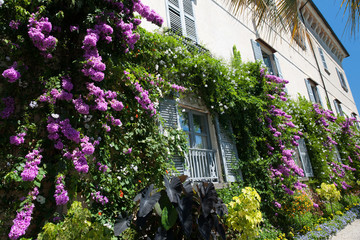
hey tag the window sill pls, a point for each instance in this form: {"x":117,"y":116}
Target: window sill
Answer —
{"x":327,"y":71}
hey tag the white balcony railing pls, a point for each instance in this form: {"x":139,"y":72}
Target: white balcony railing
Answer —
{"x":200,"y":165}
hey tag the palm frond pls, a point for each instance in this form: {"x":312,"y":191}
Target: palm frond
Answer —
{"x":353,"y":21}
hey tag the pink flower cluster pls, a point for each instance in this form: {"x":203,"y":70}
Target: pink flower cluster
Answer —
{"x":97,"y":197}
{"x":148,"y":14}
{"x":102,"y":168}
{"x":79,"y":160}
{"x":81,"y":106}
{"x":54,"y":94}
{"x":23,"y":218}
{"x":94,"y":67}
{"x":144,"y":99}
{"x":39,"y":32}
{"x":178,"y":88}
{"x":18,"y":139}
{"x":61,"y":195}
{"x":9,"y":107}
{"x":288,"y":166}
{"x":102,"y":98}
{"x":11,"y":74}
{"x":31,"y":168}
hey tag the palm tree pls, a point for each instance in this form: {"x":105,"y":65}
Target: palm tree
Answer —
{"x":284,"y":14}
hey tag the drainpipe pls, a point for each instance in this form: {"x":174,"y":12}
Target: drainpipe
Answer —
{"x":312,"y":49}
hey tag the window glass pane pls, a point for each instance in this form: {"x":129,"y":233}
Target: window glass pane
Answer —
{"x":200,"y":142}
{"x":199,"y":124}
{"x":267,"y":62}
{"x":184,"y":121}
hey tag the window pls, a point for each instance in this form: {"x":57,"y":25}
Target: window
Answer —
{"x":313,"y":90}
{"x":211,"y":157}
{"x":336,"y":153}
{"x":181,"y":18}
{"x":338,"y":107}
{"x":342,"y":80}
{"x":302,"y":158}
{"x":195,"y":125}
{"x":323,"y":59}
{"x":268,"y":56}
{"x":353,"y":115}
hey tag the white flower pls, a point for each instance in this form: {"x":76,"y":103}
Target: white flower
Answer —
{"x":54,"y":115}
{"x":33,"y":104}
{"x":86,"y":126}
{"x":118,"y":177}
{"x":166,"y":133}
{"x":40,"y":199}
{"x":99,"y":139}
{"x":206,"y":85}
{"x":156,"y":67}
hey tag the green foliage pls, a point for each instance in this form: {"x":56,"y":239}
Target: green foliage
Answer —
{"x":329,"y":192}
{"x":231,"y":190}
{"x":244,"y":214}
{"x":76,"y":225}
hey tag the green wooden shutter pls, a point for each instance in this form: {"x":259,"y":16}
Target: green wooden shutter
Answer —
{"x":311,"y":94}
{"x":169,"y":112}
{"x":257,"y":50}
{"x":305,"y":159}
{"x":277,"y":65}
{"x":228,"y":152}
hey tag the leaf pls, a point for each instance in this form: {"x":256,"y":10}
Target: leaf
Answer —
{"x":219,"y":227}
{"x":183,"y":178}
{"x":158,"y":209}
{"x":168,"y":217}
{"x":160,"y":234}
{"x":204,"y":227}
{"x":173,"y":189}
{"x":208,"y":197}
{"x":147,"y":201}
{"x":184,"y":211}
{"x":187,"y":187}
{"x":121,"y":224}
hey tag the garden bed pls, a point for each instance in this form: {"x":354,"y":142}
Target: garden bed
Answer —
{"x":328,"y":229}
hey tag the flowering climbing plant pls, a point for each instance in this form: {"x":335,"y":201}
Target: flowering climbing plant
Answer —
{"x":76,"y":121}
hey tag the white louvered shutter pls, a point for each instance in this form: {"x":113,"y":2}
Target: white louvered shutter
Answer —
{"x":257,"y":50}
{"x":169,"y":112}
{"x":190,"y":27}
{"x":319,"y":95}
{"x":277,"y":65}
{"x":176,"y":24}
{"x":323,"y":58}
{"x":311,"y":94}
{"x":305,"y":159}
{"x":228,"y":152}
{"x":342,"y":80}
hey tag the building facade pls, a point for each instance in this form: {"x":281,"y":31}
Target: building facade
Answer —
{"x":313,"y":66}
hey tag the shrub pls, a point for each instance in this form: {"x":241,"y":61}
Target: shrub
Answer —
{"x":244,"y":213}
{"x":76,"y":225}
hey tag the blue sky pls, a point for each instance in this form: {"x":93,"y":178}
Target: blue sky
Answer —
{"x":336,"y":19}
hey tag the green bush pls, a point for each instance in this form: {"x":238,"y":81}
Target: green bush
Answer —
{"x":76,"y":225}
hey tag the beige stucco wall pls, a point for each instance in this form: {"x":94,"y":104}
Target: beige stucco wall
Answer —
{"x":218,"y":30}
